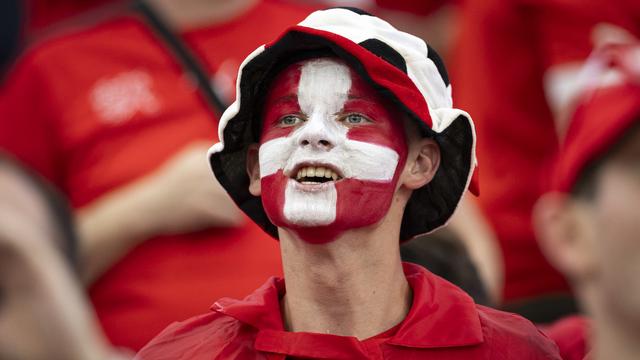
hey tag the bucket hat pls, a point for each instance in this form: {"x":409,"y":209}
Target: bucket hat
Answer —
{"x":400,"y":66}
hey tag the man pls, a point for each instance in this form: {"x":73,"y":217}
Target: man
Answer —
{"x":120,"y":127}
{"x":343,"y":142}
{"x":43,"y":313}
{"x":589,"y":224}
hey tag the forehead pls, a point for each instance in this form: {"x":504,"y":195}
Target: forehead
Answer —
{"x":323,"y":73}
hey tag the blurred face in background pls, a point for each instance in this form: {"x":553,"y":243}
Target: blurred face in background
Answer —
{"x":594,"y":238}
{"x":612,"y":220}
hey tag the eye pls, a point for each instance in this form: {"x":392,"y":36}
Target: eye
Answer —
{"x":355,"y":119}
{"x":290,"y":120}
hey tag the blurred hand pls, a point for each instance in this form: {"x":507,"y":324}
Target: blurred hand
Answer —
{"x":184,"y":195}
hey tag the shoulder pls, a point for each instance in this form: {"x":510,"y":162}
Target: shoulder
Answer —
{"x":69,"y":42}
{"x":512,"y":336}
{"x":205,"y":336}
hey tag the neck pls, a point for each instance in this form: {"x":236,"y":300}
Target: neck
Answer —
{"x":352,"y":286}
{"x":185,"y":14}
{"x":614,"y":335}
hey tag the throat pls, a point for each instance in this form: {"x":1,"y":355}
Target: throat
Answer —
{"x":333,"y":289}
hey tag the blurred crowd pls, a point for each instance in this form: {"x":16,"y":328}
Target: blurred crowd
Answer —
{"x":112,"y":227}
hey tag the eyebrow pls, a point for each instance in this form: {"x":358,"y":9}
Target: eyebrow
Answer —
{"x":358,"y":97}
{"x":286,"y":98}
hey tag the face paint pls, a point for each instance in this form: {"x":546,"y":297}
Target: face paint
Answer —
{"x":331,"y":151}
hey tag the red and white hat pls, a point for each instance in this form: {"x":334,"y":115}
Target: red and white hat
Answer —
{"x":607,"y":109}
{"x":400,"y":66}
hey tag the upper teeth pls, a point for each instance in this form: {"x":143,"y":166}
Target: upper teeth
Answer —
{"x":316,"y":171}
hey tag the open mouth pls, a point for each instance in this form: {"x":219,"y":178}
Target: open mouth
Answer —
{"x":316,"y":175}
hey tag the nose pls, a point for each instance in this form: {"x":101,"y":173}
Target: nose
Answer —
{"x":317,"y":135}
{"x":316,"y":142}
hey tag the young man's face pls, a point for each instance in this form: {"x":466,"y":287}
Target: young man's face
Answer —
{"x":331,"y":150}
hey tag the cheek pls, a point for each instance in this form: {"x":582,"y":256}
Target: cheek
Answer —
{"x":617,"y":197}
{"x":389,"y":138}
{"x":618,"y":226}
{"x":273,"y":196}
{"x":356,"y":195}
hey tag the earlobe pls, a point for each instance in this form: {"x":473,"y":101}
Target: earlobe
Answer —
{"x":253,"y":169}
{"x":422,"y":163}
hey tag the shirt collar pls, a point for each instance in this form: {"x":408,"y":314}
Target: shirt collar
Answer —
{"x":441,"y":315}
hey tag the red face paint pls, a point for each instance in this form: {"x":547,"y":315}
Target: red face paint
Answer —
{"x":360,"y":126}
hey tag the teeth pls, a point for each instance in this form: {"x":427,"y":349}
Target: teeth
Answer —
{"x":316,"y":172}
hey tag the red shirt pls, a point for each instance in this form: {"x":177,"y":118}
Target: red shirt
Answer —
{"x":443,"y":323}
{"x":99,"y":108}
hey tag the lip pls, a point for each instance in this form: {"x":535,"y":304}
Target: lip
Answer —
{"x":292,"y":173}
{"x":312,"y":187}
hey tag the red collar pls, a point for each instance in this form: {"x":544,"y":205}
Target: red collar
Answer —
{"x":441,"y":315}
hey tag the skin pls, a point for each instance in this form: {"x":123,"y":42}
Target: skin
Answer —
{"x":43,"y":314}
{"x":354,"y":284}
{"x":187,"y":14}
{"x":594,"y":241}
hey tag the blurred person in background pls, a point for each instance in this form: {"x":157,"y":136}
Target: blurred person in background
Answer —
{"x":588,"y":223}
{"x":115,"y":114}
{"x":505,"y":56}
{"x":43,"y":311}
{"x":515,"y":63}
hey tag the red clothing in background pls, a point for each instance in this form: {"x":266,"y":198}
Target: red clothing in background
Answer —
{"x":443,"y":323}
{"x":97,"y":109}
{"x":504,"y":50}
{"x":571,"y":335}
{"x":501,"y":54}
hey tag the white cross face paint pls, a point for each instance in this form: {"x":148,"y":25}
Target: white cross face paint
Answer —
{"x":330,"y":150}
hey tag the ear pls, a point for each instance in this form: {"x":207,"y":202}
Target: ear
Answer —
{"x":253,"y":169}
{"x":565,"y":235}
{"x":422,"y":163}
